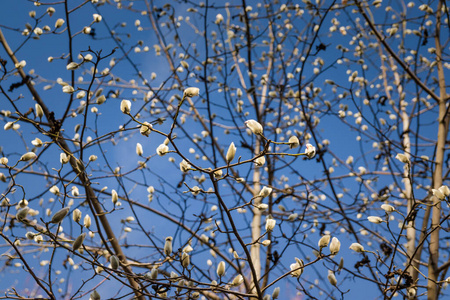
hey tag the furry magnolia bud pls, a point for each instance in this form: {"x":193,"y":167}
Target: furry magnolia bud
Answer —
{"x":22,"y":214}
{"x":191,"y":92}
{"x":114,"y":261}
{"x":231,"y":152}
{"x":125,"y":106}
{"x":39,"y":111}
{"x":323,"y":242}
{"x":335,"y":246}
{"x":221,"y":269}
{"x":78,"y":241}
{"x":168,"y":246}
{"x":185,"y":260}
{"x":60,"y":215}
{"x":28,"y":156}
{"x":254,"y":126}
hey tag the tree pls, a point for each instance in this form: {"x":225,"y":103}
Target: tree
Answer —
{"x":241,"y":150}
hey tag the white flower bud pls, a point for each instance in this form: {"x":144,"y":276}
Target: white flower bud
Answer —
{"x":293,"y":142}
{"x":270,"y":224}
{"x":114,"y":197}
{"x":28,"y":156}
{"x":146,"y":129}
{"x":59,"y":23}
{"x":101,"y":99}
{"x":168,"y":246}
{"x":221,"y":269}
{"x":75,"y":191}
{"x":97,"y":18}
{"x":78,"y":241}
{"x":324,"y":241}
{"x":54,"y":190}
{"x":162,"y":150}
{"x":125,"y":106}
{"x":94,"y":296}
{"x":72,"y":66}
{"x":265,"y":191}
{"x":260,"y":161}
{"x":238,"y":280}
{"x":297,"y":268}
{"x":4,"y":161}
{"x":114,"y":261}
{"x":87,"y":221}
{"x":335,"y":246}
{"x":191,"y":92}
{"x":185,"y":260}
{"x":388,"y":208}
{"x":357,"y":247}
{"x":331,"y":278}
{"x":8,"y":126}
{"x":63,"y":158}
{"x":37,"y":142}
{"x":310,"y":151}
{"x":445,"y":190}
{"x":219,"y":19}
{"x":22,"y":213}
{"x":184,"y":166}
{"x":374,"y":219}
{"x":139,"y":150}
{"x":93,"y":157}
{"x":403,"y":158}
{"x":266,"y":243}
{"x":76,"y":215}
{"x":276,"y":293}
{"x":254,"y":126}
{"x":60,"y":215}
{"x":81,"y":94}
{"x":231,"y":152}
{"x":38,"y":110}
{"x":68,"y":89}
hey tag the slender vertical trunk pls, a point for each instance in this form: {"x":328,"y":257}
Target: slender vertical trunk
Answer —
{"x":437,"y":174}
{"x":256,"y":222}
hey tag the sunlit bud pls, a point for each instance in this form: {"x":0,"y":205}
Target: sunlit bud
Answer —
{"x":231,"y":152}
{"x":332,"y":278}
{"x":30,"y":235}
{"x":168,"y":246}
{"x":324,"y":241}
{"x":4,"y":161}
{"x":94,"y":295}
{"x":72,"y":66}
{"x":125,"y":106}
{"x":445,"y":190}
{"x":97,"y":18}
{"x":262,"y":206}
{"x":270,"y":223}
{"x":357,"y":247}
{"x":59,"y":23}
{"x":260,"y":161}
{"x":2,"y":177}
{"x":191,"y":92}
{"x":38,"y":238}
{"x":38,"y":110}
{"x":254,"y":126}
{"x":63,"y":158}
{"x":146,"y":129}
{"x":22,"y":213}
{"x":335,"y":246}
{"x":276,"y":293}
{"x":60,"y":215}
{"x":54,"y":190}
{"x":37,"y":142}
{"x":184,"y":166}
{"x":21,"y":64}
{"x":297,"y":268}
{"x":438,"y":194}
{"x":154,"y":273}
{"x":162,"y":150}
{"x":265,"y":192}
{"x":114,"y":196}
{"x":185,"y":260}
{"x":78,"y":241}
{"x":293,"y":142}
{"x":238,"y":280}
{"x":219,"y":19}
{"x":221,"y":269}
{"x":8,"y":126}
{"x":374,"y":219}
{"x":218,"y":174}
{"x":139,"y":150}
{"x":310,"y":151}
{"x":101,"y":99}
{"x":403,"y":158}
{"x":81,"y":94}
{"x":293,"y":217}
{"x":28,"y":156}
{"x":266,"y":243}
{"x":388,"y":208}
{"x":76,"y":215}
{"x":75,"y":191}
{"x":87,"y":221}
{"x":32,"y":14}
{"x":93,"y":157}
{"x":68,"y":89}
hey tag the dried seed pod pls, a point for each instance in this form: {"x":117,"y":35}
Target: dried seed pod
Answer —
{"x":60,"y":215}
{"x":78,"y":241}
